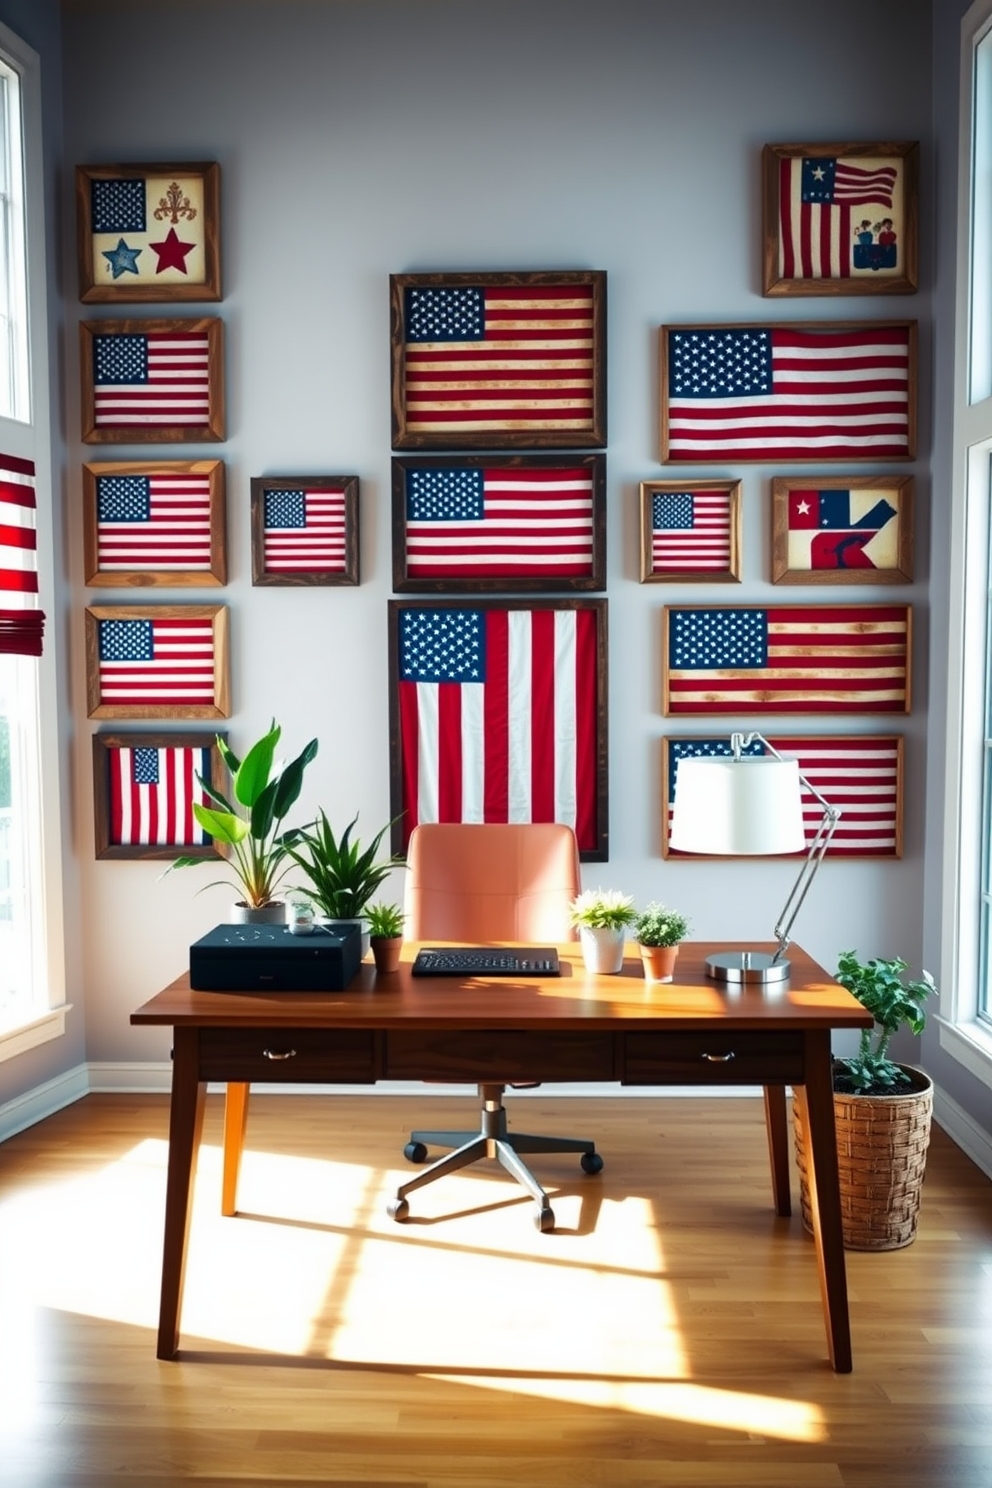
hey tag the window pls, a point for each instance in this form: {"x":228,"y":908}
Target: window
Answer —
{"x":14,"y":389}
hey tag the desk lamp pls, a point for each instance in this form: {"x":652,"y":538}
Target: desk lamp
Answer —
{"x":742,"y":805}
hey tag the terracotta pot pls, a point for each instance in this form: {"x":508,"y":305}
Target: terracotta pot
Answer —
{"x":659,"y":962}
{"x":386,"y":952}
{"x":602,"y":949}
{"x":262,"y":914}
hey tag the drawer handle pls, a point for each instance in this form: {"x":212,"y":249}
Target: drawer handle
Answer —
{"x":275,"y":1054}
{"x":719,"y":1058}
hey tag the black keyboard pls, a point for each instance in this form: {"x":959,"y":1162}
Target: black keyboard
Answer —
{"x":466,"y":961}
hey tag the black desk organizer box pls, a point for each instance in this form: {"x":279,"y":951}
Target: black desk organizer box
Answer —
{"x":267,"y":958}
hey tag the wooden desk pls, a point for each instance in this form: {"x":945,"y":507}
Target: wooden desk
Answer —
{"x":576,"y":1027}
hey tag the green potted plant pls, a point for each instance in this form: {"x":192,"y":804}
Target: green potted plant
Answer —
{"x":385,"y":922}
{"x":602,"y":916}
{"x":249,"y":828}
{"x":659,"y":933}
{"x":341,"y":875}
{"x":882,"y":1111}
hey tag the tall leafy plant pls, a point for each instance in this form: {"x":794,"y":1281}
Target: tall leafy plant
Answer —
{"x":342,"y":875}
{"x":894,"y":1003}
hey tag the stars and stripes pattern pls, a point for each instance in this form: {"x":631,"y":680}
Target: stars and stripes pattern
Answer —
{"x":304,"y":529}
{"x":787,"y":659}
{"x":21,"y":621}
{"x":690,"y":531}
{"x":755,"y":393}
{"x":154,"y":379}
{"x":816,"y":195}
{"x":152,"y":791}
{"x":152,"y":522}
{"x":165,"y":660}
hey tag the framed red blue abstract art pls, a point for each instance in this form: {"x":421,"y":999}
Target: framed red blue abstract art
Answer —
{"x":154,"y":523}
{"x":304,"y":529}
{"x":152,"y":381}
{"x":497,"y":713}
{"x":843,"y":530}
{"x":157,"y":661}
{"x":518,"y":523}
{"x":144,"y":788}
{"x":690,"y":532}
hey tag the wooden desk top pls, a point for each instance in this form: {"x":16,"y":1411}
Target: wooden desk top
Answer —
{"x":575,"y":1000}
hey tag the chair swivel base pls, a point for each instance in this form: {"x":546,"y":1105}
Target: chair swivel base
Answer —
{"x":492,"y":1140}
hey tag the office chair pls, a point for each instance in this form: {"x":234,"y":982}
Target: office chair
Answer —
{"x":478,"y":885}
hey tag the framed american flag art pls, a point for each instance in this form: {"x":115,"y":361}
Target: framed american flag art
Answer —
{"x":862,"y":775}
{"x":497,"y":713}
{"x":763,"y":660}
{"x":304,"y":529}
{"x":813,"y":390}
{"x":498,"y":361}
{"x":152,"y":381}
{"x":154,"y":522}
{"x":690,"y":532}
{"x":522,"y":523}
{"x":844,"y":530}
{"x":840,"y":219}
{"x":144,"y":788}
{"x":157,"y":661}
{"x":148,"y":232}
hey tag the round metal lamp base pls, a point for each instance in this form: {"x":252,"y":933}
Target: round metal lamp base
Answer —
{"x":746,"y":966}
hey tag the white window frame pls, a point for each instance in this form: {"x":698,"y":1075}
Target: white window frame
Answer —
{"x":29,"y":435}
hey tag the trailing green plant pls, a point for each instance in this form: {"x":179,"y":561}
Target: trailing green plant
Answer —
{"x":658,"y":926}
{"x":385,"y":921}
{"x":256,"y":849}
{"x":894,"y":1003}
{"x":342,"y":876}
{"x":602,"y":909}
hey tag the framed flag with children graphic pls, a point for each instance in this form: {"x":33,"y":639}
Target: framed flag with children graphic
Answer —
{"x":148,"y":232}
{"x":152,"y":381}
{"x":154,"y":523}
{"x":304,"y":529}
{"x":842,"y":530}
{"x":690,"y":532}
{"x":840,"y":219}
{"x":157,"y":661}
{"x":144,"y":789}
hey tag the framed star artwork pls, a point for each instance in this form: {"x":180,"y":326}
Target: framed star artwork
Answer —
{"x":148,"y":232}
{"x":157,"y":661}
{"x":840,"y":219}
{"x":152,"y":381}
{"x":842,"y":530}
{"x":304,"y":529}
{"x":153,"y":523}
{"x":690,"y":532}
{"x":144,"y":789}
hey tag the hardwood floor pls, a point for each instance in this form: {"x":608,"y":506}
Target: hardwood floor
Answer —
{"x":668,"y":1332}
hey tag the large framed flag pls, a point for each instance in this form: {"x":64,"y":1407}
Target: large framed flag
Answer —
{"x":144,"y":787}
{"x":766,"y":659}
{"x":840,"y":219}
{"x":862,"y":776}
{"x":497,"y":713}
{"x":22,"y":623}
{"x":519,"y":523}
{"x":148,"y":232}
{"x":304,"y":529}
{"x":825,"y":390}
{"x":690,"y":532}
{"x":498,"y":361}
{"x":842,"y":530}
{"x":152,"y":381}
{"x":154,"y":522}
{"x":157,"y":661}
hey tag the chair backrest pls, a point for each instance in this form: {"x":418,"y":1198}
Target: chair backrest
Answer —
{"x":482,"y":883}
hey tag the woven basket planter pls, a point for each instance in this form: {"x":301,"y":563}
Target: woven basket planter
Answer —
{"x":881,"y":1154}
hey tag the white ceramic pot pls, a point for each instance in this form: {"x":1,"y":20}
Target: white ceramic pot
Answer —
{"x":602,"y":949}
{"x":265,"y":914}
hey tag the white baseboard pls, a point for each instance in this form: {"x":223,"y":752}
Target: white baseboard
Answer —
{"x":44,"y":1100}
{"x":964,"y":1130}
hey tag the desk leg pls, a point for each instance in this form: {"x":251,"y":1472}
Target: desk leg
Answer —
{"x":824,"y":1195}
{"x":235,"y":1121}
{"x":777,"y":1127}
{"x":185,"y":1125}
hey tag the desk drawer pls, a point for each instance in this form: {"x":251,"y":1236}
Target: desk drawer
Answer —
{"x":500,"y":1055}
{"x":288,"y":1055}
{"x":717,"y":1058}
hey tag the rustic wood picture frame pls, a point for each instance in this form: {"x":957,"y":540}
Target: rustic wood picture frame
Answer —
{"x":861,"y":525}
{"x":439,"y":324}
{"x":690,"y":531}
{"x":485,"y":747}
{"x":151,"y":818}
{"x":131,"y":408}
{"x":499,"y":523}
{"x":323,"y":511}
{"x":861,"y":774}
{"x":203,"y":638}
{"x":141,"y":207}
{"x":840,"y":219}
{"x":154,"y":524}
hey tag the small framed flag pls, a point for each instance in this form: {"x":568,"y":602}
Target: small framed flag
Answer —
{"x":846,"y":530}
{"x":824,"y":390}
{"x":154,"y":522}
{"x":499,"y":522}
{"x":157,"y":661}
{"x":768,"y":659}
{"x":144,"y":787}
{"x":863,"y":776}
{"x":840,"y":219}
{"x":152,"y":381}
{"x":148,"y":232}
{"x":690,"y":532}
{"x":497,"y":713}
{"x":498,"y":361}
{"x":304,"y":529}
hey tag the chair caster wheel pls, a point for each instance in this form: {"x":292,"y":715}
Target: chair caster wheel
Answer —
{"x":591,"y":1162}
{"x":398,"y":1209}
{"x":415,"y":1152}
{"x":544,"y":1220}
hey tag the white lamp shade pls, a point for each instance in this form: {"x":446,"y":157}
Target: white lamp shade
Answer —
{"x":737,"y":807}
